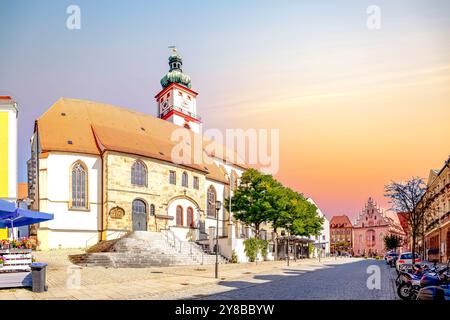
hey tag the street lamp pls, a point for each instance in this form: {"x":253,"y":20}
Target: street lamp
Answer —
{"x":218,"y":205}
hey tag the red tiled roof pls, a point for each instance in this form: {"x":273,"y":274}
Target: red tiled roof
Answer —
{"x":340,"y":221}
{"x":80,"y":126}
{"x":7,"y":98}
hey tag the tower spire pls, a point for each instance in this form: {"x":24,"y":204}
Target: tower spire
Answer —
{"x":177,"y":101}
{"x":175,"y":74}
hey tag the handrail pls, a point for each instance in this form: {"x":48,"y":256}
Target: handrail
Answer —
{"x":194,"y":251}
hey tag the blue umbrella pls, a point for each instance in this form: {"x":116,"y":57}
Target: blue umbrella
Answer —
{"x":16,"y":217}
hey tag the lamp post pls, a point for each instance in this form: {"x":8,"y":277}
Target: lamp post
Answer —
{"x":218,"y":205}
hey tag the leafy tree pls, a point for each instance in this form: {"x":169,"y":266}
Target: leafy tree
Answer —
{"x":392,"y":242}
{"x":252,"y":201}
{"x":260,"y":198}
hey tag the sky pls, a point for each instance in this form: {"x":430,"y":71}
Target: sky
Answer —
{"x":356,"y":107}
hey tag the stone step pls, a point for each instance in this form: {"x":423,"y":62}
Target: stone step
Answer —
{"x":145,"y":249}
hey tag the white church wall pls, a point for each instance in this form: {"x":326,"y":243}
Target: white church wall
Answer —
{"x":71,"y":228}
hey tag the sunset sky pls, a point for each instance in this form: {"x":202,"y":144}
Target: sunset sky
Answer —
{"x":355,"y":107}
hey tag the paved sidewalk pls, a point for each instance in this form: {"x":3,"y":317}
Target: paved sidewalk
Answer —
{"x":187,"y":282}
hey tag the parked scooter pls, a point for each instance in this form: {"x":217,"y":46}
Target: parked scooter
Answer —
{"x":430,"y":290}
{"x":409,"y":281}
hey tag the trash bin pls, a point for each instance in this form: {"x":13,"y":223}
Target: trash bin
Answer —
{"x":38,"y":270}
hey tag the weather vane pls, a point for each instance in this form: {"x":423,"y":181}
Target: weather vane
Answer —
{"x":174,"y":49}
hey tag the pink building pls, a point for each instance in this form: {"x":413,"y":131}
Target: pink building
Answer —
{"x":370,"y":228}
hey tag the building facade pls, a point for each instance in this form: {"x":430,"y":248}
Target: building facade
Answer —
{"x":371,"y":227}
{"x":341,"y":235}
{"x":322,"y":241}
{"x":8,"y":152}
{"x":437,"y":225}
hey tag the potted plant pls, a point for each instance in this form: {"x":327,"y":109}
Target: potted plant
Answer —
{"x":27,"y":243}
{"x":4,"y":244}
{"x":16,"y":244}
{"x":2,"y":261}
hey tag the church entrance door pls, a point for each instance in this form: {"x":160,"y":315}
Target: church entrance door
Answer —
{"x":139,"y":215}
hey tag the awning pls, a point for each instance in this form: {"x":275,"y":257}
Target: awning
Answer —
{"x":22,"y":217}
{"x":10,"y":216}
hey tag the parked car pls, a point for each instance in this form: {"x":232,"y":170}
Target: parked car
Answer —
{"x":391,"y":258}
{"x":406,"y":259}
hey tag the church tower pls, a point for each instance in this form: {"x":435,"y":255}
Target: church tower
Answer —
{"x":177,"y":101}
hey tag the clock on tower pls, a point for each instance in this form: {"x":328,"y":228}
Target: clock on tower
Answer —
{"x":177,"y":101}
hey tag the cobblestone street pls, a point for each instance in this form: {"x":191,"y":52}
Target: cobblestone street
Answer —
{"x":335,"y":281}
{"x":344,"y":278}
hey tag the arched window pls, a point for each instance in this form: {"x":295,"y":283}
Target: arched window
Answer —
{"x":139,"y":174}
{"x":211,"y":205}
{"x":179,"y":217}
{"x":152,"y":209}
{"x":190,"y":217}
{"x":139,"y":215}
{"x":184,"y":179}
{"x":79,"y":178}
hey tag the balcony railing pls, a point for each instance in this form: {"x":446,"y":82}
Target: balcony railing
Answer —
{"x":186,"y":112}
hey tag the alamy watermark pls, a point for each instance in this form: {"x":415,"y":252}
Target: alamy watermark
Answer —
{"x":73,"y":21}
{"x":74,"y":277}
{"x":254,"y":147}
{"x":374,"y":279}
{"x":374,"y":19}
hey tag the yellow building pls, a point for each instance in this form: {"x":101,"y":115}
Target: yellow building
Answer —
{"x":8,"y":152}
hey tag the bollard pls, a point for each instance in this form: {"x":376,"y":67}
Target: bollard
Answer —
{"x":38,"y":271}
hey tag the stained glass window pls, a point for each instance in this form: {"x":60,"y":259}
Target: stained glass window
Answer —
{"x":79,"y":188}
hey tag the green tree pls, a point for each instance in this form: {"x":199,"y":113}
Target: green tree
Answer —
{"x":392,"y":242}
{"x":252,"y":202}
{"x":260,"y":198}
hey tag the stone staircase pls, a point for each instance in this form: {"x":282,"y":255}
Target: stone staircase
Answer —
{"x":142,"y":249}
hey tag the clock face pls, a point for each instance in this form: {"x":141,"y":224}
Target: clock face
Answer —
{"x":164,"y":105}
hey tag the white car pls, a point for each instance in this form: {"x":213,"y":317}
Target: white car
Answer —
{"x":405,"y":259}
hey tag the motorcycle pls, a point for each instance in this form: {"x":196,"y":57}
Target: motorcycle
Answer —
{"x":409,"y":281}
{"x":430,"y":290}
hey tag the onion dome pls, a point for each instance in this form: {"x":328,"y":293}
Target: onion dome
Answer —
{"x":175,"y":74}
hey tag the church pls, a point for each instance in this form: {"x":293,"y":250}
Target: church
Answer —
{"x":105,"y":171}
